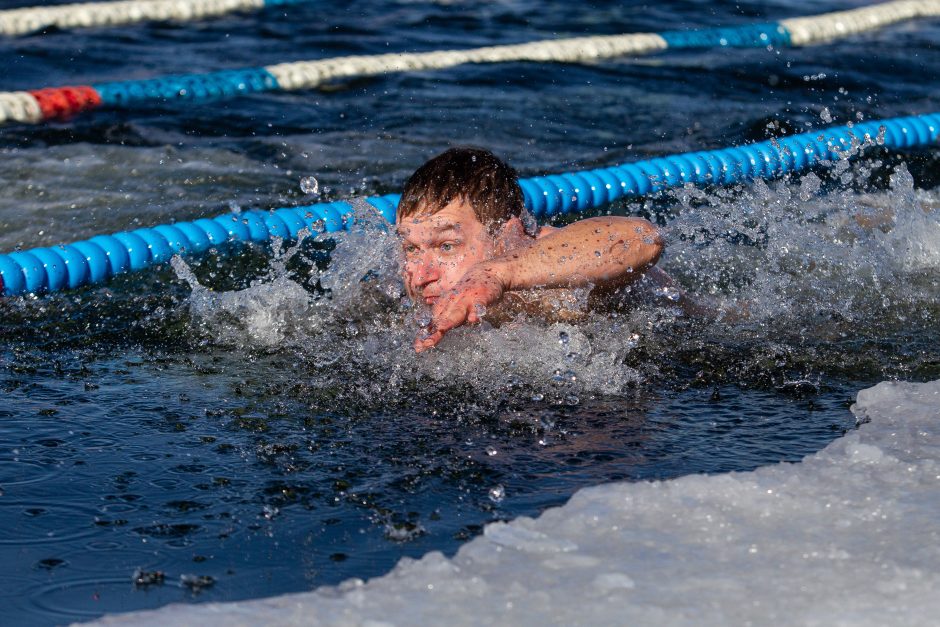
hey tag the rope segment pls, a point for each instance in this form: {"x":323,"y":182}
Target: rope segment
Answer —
{"x":91,"y":14}
{"x":36,"y":106}
{"x":95,"y":260}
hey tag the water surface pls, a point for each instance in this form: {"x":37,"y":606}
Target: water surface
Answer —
{"x":270,"y":427}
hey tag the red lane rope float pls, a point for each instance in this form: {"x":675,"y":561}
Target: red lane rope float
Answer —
{"x":65,"y":102}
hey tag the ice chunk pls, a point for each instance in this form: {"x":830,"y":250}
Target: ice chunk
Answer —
{"x":522,"y":539}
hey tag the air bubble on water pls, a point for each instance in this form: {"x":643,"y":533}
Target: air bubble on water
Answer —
{"x":497,"y":493}
{"x":491,"y":451}
{"x":403,"y":532}
{"x":309,"y":185}
{"x":197,"y":582}
{"x":269,"y":511}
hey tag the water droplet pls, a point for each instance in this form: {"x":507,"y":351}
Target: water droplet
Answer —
{"x":538,"y":397}
{"x":563,"y":338}
{"x":669,"y":292}
{"x":491,"y":450}
{"x":309,"y":185}
{"x":529,"y":223}
{"x":497,"y":493}
{"x":423,"y":317}
{"x":825,"y":116}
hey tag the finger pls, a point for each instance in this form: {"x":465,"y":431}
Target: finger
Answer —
{"x":424,"y":343}
{"x":473,"y":317}
{"x":453,"y":316}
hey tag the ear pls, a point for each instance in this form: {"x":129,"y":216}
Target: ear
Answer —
{"x":510,"y":234}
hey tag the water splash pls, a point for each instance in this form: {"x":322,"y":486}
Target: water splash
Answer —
{"x":790,"y":267}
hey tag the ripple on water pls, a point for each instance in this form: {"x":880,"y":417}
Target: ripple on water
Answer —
{"x":84,"y":598}
{"x":46,"y":523}
{"x":104,"y":545}
{"x":15,"y":472}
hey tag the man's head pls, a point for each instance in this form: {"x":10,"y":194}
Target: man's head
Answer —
{"x":477,"y":176}
{"x":457,"y":210}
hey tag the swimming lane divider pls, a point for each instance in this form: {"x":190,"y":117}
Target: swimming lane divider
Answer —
{"x":38,"y":105}
{"x":96,"y":260}
{"x":27,"y":20}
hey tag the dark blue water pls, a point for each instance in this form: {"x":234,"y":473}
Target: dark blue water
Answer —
{"x":143,"y":431}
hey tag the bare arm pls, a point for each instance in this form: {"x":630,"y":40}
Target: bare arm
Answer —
{"x":603,"y":252}
{"x":596,"y":251}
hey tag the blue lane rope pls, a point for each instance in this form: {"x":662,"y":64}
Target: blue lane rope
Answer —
{"x":95,"y":260}
{"x":202,"y":87}
{"x":749,"y":36}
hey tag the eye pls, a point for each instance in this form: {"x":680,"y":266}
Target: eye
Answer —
{"x":410,"y":249}
{"x":447,"y":247}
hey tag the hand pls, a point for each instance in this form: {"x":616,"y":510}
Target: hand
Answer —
{"x":479,"y":288}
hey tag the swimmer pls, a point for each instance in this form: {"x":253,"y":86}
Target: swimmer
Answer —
{"x":471,"y":248}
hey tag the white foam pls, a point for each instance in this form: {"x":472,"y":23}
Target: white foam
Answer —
{"x":848,"y":536}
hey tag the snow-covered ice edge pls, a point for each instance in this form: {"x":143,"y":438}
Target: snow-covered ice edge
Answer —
{"x":848,"y":536}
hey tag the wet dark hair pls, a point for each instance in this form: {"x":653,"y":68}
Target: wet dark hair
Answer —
{"x":478,"y":176}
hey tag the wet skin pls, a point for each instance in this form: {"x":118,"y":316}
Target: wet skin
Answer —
{"x":459,"y":268}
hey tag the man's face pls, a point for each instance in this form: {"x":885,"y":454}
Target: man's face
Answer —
{"x":439,"y":249}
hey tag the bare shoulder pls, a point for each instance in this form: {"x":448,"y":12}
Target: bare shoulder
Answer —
{"x":545,"y":230}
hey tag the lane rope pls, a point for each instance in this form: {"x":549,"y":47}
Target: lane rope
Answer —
{"x":94,"y":14}
{"x":35,"y":106}
{"x":96,"y":260}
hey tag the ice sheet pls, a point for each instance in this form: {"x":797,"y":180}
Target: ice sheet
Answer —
{"x":848,"y":536}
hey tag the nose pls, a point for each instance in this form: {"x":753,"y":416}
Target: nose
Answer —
{"x":424,"y":272}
